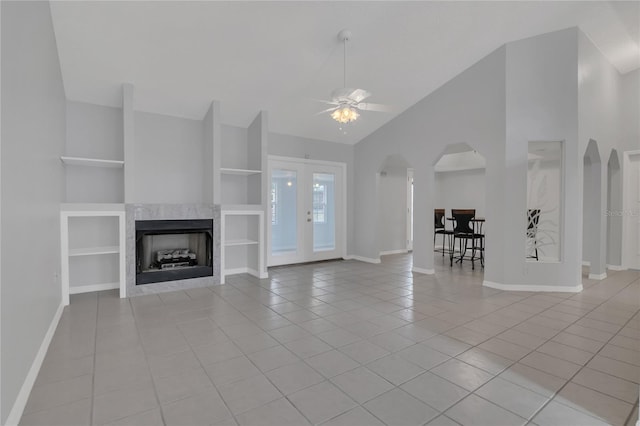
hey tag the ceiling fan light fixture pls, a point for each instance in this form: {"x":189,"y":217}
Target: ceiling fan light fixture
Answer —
{"x":345,"y":114}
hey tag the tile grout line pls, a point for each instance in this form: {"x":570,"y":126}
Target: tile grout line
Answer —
{"x":95,"y":356}
{"x":146,"y":361}
{"x":585,"y":364}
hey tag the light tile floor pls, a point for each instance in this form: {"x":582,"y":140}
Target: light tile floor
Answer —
{"x":347,"y":343}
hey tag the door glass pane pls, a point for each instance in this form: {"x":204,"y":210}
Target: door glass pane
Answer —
{"x":324,"y":226}
{"x":284,"y":235}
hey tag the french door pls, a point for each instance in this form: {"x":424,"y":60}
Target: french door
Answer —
{"x":306,"y":211}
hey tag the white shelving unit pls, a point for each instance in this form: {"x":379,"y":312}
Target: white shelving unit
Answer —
{"x":242,"y":237}
{"x":93,"y":251}
{"x":239,"y":172}
{"x":68,"y":211}
{"x":92,"y":162}
{"x":240,"y":242}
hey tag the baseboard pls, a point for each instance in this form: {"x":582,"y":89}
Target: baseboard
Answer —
{"x":601,"y":276}
{"x":423,"y":271}
{"x":21,"y":400}
{"x":93,"y":287}
{"x":526,"y":287}
{"x":616,"y":268}
{"x":388,"y":252}
{"x":586,"y":263}
{"x":236,"y":271}
{"x":361,"y":258}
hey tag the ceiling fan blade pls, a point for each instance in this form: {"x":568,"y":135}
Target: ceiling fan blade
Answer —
{"x":326,"y":110}
{"x":359,"y":95}
{"x":324,"y":101}
{"x":374,"y":107}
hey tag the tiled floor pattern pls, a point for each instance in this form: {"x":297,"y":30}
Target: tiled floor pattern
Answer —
{"x":347,"y":343}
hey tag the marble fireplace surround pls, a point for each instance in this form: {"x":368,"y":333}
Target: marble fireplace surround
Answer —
{"x":169,"y":212}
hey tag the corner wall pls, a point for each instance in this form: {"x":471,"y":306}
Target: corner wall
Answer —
{"x":33,"y":138}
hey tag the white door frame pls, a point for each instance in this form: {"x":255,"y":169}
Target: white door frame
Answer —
{"x":627,"y":256}
{"x":342,"y":239}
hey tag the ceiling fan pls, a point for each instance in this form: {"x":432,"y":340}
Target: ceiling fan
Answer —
{"x":348,"y":102}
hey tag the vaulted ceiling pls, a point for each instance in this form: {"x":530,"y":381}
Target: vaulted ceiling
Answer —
{"x":283,"y":56}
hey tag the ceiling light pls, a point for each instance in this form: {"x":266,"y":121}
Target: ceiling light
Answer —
{"x":345,"y":114}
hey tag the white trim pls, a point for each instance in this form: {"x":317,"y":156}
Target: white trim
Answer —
{"x":586,"y":263}
{"x":93,"y":287}
{"x":21,"y":400}
{"x":388,"y":252}
{"x":361,"y":258}
{"x":527,"y":287}
{"x":601,"y":276}
{"x":423,"y":271}
{"x":616,"y":268}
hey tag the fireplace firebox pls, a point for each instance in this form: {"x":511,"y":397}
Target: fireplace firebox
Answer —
{"x":169,"y":250}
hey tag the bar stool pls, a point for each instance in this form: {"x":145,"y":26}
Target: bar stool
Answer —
{"x":440,"y":229}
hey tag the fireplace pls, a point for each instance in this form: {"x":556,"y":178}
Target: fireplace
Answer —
{"x":171,"y":250}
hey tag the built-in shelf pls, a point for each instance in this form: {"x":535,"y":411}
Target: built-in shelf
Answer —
{"x":92,"y":251}
{"x":240,"y":172}
{"x":77,"y":289}
{"x":241,"y":207}
{"x":92,"y":162}
{"x":87,"y":210}
{"x":91,"y":209}
{"x":240,"y":242}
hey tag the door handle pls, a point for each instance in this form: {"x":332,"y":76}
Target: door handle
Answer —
{"x":308,"y":220}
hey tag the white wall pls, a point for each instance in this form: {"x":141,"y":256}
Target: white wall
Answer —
{"x":629,"y":112}
{"x":392,"y":195}
{"x":462,"y":189}
{"x":94,"y":131}
{"x":542,"y":84}
{"x":33,"y":138}
{"x":599,"y":119}
{"x":168,"y":155}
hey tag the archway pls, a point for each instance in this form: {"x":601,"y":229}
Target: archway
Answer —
{"x":614,"y":209}
{"x":395,"y":212}
{"x":591,"y":214}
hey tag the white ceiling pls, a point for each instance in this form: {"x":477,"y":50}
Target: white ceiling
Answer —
{"x":279,"y":56}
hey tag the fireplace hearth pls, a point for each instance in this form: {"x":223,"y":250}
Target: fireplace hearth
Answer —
{"x":171,"y":250}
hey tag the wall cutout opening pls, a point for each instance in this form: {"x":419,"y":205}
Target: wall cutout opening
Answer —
{"x":544,"y":214}
{"x":592,"y":210}
{"x":614,"y":210}
{"x":460,"y":185}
